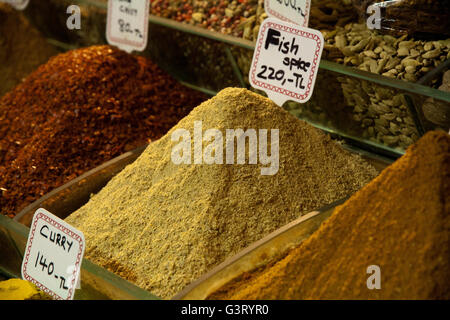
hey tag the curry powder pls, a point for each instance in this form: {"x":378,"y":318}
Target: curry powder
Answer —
{"x":399,"y":222}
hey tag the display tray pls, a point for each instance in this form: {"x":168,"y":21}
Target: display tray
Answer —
{"x":97,"y":282}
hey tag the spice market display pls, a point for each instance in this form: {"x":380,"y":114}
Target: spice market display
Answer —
{"x":186,"y":180}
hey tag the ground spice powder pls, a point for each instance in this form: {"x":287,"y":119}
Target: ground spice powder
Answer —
{"x":17,"y":289}
{"x":77,"y":111}
{"x":22,"y":48}
{"x":163,"y":225}
{"x":399,"y":222}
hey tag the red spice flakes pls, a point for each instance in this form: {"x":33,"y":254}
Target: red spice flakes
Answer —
{"x":79,"y":110}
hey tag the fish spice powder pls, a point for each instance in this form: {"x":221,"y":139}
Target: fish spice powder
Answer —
{"x":162,"y":225}
{"x":77,"y":111}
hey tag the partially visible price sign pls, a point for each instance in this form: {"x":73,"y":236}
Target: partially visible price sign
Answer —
{"x":127,"y":24}
{"x":17,"y":4}
{"x":293,"y":11}
{"x":286,"y":61}
{"x":53,"y":255}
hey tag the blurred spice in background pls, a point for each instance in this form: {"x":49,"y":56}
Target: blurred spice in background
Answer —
{"x":79,"y":110}
{"x":22,"y":48}
{"x":400,"y":222}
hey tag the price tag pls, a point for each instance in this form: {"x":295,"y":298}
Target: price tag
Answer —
{"x":17,"y":4}
{"x":286,"y":61}
{"x":292,"y":11}
{"x":53,"y":255}
{"x":127,"y":24}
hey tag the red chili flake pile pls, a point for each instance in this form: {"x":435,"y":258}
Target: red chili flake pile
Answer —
{"x":77,"y":111}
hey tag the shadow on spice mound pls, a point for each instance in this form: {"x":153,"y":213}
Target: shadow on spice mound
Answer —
{"x":22,"y":48}
{"x":77,"y":111}
{"x":168,"y":224}
{"x":398,"y":222}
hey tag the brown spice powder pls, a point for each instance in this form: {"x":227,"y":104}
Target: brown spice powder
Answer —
{"x":169,"y":224}
{"x":399,"y":222}
{"x":22,"y":48}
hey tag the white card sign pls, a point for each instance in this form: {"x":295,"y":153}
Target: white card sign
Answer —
{"x":53,"y":255}
{"x":286,"y":61}
{"x":127,"y":24}
{"x":293,"y":11}
{"x":17,"y":4}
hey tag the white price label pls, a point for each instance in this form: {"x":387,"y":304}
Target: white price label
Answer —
{"x":127,"y":24}
{"x":293,"y":11}
{"x":17,"y":4}
{"x":53,"y":255}
{"x":286,"y":61}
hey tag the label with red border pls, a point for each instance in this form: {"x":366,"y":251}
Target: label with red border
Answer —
{"x":53,"y":255}
{"x":127,"y":24}
{"x":292,"y":11}
{"x":286,"y":61}
{"x":17,"y":4}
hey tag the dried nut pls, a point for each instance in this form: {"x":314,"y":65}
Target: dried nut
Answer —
{"x":407,"y":62}
{"x":388,"y":102}
{"x":373,"y":65}
{"x":355,"y":60}
{"x":406,"y":44}
{"x":410,"y":69}
{"x":403,"y":52}
{"x":381,"y":65}
{"x":389,"y":38}
{"x":383,"y":93}
{"x":358,"y":108}
{"x":393,"y":128}
{"x":397,"y":100}
{"x":255,"y":32}
{"x":381,"y":128}
{"x":428,"y":46}
{"x":406,"y":140}
{"x":360,"y":45}
{"x":432,"y":54}
{"x":379,"y":109}
{"x":247,"y":32}
{"x":390,"y":140}
{"x":389,"y":49}
{"x":347,"y":51}
{"x":410,"y":121}
{"x":410,"y":77}
{"x":359,"y":100}
{"x":392,"y":62}
{"x":413,"y":53}
{"x":378,"y":50}
{"x":389,"y":74}
{"x":388,"y":116}
{"x":370,"y":53}
{"x":341,"y":41}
